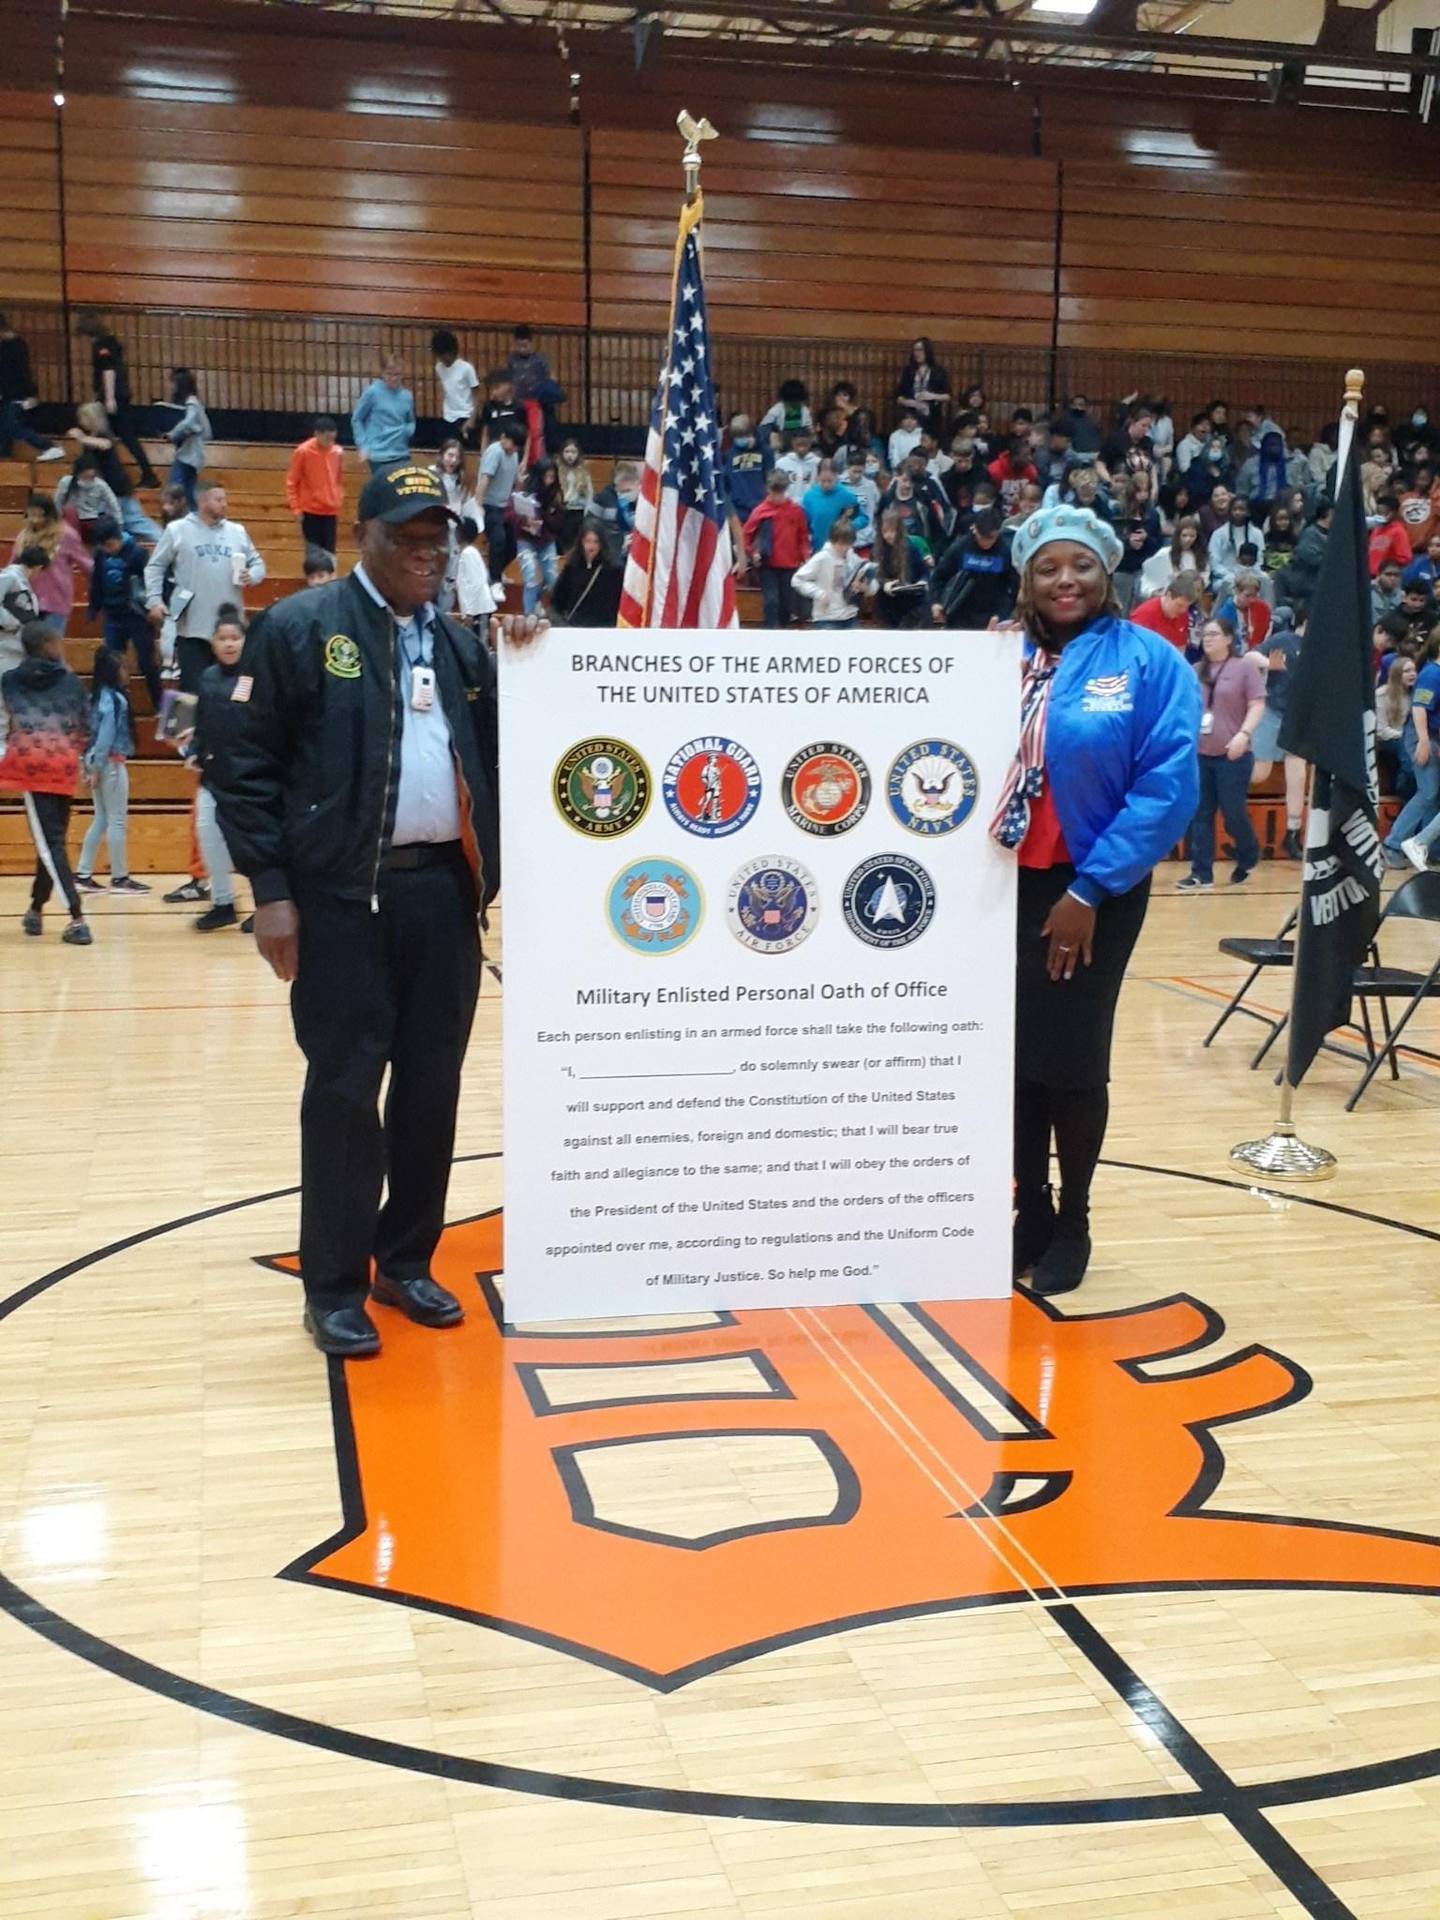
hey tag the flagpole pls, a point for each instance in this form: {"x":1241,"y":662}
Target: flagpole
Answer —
{"x":1282,"y":1154}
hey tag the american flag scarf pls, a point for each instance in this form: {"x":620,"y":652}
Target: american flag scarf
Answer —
{"x":1026,"y":779}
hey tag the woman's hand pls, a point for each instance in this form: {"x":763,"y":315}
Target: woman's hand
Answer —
{"x":1239,"y":745}
{"x":1071,"y":932}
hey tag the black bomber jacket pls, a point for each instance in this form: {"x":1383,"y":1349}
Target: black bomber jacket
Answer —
{"x":309,"y":795}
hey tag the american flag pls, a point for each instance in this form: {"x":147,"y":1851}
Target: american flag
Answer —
{"x":678,"y":573}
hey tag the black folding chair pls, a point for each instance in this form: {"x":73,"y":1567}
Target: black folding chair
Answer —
{"x":1417,"y":898}
{"x":1258,"y":955}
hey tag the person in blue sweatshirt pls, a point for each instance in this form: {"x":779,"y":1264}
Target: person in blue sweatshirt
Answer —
{"x":745,"y":467}
{"x":383,"y":419}
{"x":117,"y":598}
{"x":1103,"y":786}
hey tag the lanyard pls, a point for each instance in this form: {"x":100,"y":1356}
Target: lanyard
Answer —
{"x":419,"y":627}
{"x":1212,"y":686}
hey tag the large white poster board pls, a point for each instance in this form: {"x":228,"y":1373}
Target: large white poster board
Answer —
{"x":759,"y":969}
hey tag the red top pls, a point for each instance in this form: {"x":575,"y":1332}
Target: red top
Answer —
{"x":1151,"y":614}
{"x":1044,"y":843}
{"x":1390,"y":542}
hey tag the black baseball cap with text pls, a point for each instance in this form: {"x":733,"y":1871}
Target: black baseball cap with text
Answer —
{"x":401,"y":494}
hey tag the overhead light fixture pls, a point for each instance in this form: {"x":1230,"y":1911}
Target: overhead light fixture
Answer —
{"x":1075,"y":9}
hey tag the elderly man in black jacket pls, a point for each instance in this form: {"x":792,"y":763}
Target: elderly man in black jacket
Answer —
{"x":362,"y":802}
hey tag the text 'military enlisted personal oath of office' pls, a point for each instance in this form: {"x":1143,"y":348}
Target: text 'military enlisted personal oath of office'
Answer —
{"x":759,"y":969}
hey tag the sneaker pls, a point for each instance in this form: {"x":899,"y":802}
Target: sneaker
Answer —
{"x":247,"y":925}
{"x":1192,"y":883}
{"x":1291,"y":846}
{"x":127,"y":884}
{"x":1417,"y":853}
{"x":87,"y":883}
{"x":77,"y":934}
{"x":215,"y":919}
{"x":1240,"y":876}
{"x":31,"y":922}
{"x":1393,"y":857}
{"x":50,"y":453}
{"x":184,"y":895}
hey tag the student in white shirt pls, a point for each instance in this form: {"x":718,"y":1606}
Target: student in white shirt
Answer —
{"x":475,"y":597}
{"x":835,"y":579}
{"x":905,"y":438}
{"x":800,"y":464}
{"x":459,"y":383}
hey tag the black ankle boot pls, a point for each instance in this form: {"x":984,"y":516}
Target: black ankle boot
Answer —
{"x":1034,"y":1225}
{"x":1061,"y":1267}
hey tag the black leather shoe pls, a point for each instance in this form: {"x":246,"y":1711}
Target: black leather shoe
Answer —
{"x":347,"y":1332}
{"x":424,"y":1301}
{"x":1034,"y":1228}
{"x":1061,"y":1267}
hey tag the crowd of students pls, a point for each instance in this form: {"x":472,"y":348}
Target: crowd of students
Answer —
{"x":903,"y":514}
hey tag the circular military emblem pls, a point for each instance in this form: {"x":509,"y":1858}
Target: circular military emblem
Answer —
{"x":342,"y":657}
{"x":773,"y":904}
{"x":826,"y":788}
{"x":889,"y":900}
{"x":933,"y":787}
{"x":711,"y":786}
{"x":602,"y":787}
{"x":655,"y":906}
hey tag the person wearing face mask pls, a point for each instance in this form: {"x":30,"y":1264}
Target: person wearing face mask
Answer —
{"x":612,"y":511}
{"x":744,"y":468}
{"x":1101,"y":789}
{"x":360,"y":797}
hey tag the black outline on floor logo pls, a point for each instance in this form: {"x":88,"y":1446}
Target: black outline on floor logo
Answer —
{"x":1215,"y":1792}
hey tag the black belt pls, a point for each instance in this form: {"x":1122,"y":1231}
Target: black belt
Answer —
{"x":421,"y":853}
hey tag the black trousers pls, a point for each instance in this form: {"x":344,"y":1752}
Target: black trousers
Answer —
{"x":499,"y":542}
{"x":777,"y":596}
{"x":122,"y":425}
{"x":318,"y":530}
{"x":192,"y":657}
{"x":392,"y":989}
{"x":48,"y":815}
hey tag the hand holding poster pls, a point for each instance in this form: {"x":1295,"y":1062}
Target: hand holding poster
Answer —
{"x":759,"y":992}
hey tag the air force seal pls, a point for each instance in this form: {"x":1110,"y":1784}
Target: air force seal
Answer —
{"x":889,"y":900}
{"x":826,"y":788}
{"x":602,"y":787}
{"x":655,"y":906}
{"x":773,"y":904}
{"x":711,"y":787}
{"x":933,"y":787}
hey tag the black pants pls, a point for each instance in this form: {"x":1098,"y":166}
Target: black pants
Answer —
{"x":122,"y":425}
{"x":124,"y":630}
{"x":498,"y":541}
{"x":777,"y":596}
{"x":318,"y":530}
{"x":1224,"y":784}
{"x":392,"y":989}
{"x":192,"y":656}
{"x":48,"y":815}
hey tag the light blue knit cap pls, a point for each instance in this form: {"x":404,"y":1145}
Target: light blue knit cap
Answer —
{"x":1079,"y":524}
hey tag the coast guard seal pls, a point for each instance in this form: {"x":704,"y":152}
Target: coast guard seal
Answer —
{"x":889,"y":900}
{"x":932,"y":787}
{"x":825,"y":789}
{"x":655,"y":906}
{"x":773,"y":904}
{"x":711,"y":786}
{"x":602,"y":787}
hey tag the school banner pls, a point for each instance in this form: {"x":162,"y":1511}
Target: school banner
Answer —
{"x":758,"y":969}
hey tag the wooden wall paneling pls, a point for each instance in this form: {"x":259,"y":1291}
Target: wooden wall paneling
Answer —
{"x":30,"y":198}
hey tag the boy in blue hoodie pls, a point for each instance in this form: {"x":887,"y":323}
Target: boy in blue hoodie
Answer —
{"x":745,"y":466}
{"x":384,"y":419}
{"x":117,"y":596}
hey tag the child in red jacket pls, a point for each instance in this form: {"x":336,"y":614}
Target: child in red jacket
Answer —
{"x":777,"y":538}
{"x":48,"y":728}
{"x":1391,"y":539}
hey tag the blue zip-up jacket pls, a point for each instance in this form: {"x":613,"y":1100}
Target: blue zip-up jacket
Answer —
{"x":1121,"y":753}
{"x":111,"y":589}
{"x":110,"y":729}
{"x":743,"y":473}
{"x":384,"y":421}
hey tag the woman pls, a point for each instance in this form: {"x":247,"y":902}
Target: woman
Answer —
{"x":577,"y":488}
{"x":1392,"y":710}
{"x":92,"y":435}
{"x":902,"y":567}
{"x":539,"y":508}
{"x":54,"y":586}
{"x":860,"y":433}
{"x":189,"y":436}
{"x":587,"y":593}
{"x":449,"y":470}
{"x":1233,"y":689}
{"x":1183,"y":555}
{"x":924,"y":385}
{"x":1281,"y":533}
{"x":1100,"y":791}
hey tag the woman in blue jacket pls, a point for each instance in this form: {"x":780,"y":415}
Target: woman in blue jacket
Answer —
{"x":1103,"y":786}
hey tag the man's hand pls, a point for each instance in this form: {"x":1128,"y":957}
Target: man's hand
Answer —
{"x":277,"y":935}
{"x":155,"y":613}
{"x":1421,"y":755}
{"x":1071,"y":931}
{"x":518,"y":629}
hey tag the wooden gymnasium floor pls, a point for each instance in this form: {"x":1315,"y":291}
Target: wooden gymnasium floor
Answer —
{"x":1121,"y":1695}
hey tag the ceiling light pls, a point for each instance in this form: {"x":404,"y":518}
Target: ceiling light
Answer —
{"x":1077,"y":9}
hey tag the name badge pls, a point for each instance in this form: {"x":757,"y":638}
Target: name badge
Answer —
{"x":422,"y":688}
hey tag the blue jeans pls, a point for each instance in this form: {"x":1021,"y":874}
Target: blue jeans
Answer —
{"x":1224,"y":784}
{"x":213,"y":850}
{"x":538,"y":567}
{"x":122,"y":630}
{"x":1421,"y":806}
{"x":112,"y":801}
{"x":182,"y":474}
{"x":134,"y":519}
{"x":831,"y":626}
{"x":14,"y":426}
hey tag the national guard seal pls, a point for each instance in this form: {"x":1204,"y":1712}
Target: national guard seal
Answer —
{"x":932,"y":787}
{"x":602,"y":787}
{"x":711,"y":786}
{"x":655,"y":906}
{"x":889,"y":900}
{"x":773,"y":904}
{"x":826,"y":788}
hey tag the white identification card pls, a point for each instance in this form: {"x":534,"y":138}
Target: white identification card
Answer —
{"x":422,"y":688}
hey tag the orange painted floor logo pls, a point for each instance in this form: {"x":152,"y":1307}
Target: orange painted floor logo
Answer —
{"x":667,"y":1501}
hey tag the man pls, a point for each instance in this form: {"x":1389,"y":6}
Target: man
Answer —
{"x":1297,"y":583}
{"x":1084,"y":434}
{"x":499,"y":467}
{"x":314,"y":487}
{"x":536,"y":393}
{"x":1385,"y":593}
{"x":974,"y":581}
{"x":459,"y":384}
{"x":17,"y":396}
{"x":112,"y":389}
{"x":213,"y":558}
{"x":1168,"y":613}
{"x":363,"y":805}
{"x":383,"y":418}
{"x":1014,"y":470}
{"x":612,"y":511}
{"x":1132,"y":436}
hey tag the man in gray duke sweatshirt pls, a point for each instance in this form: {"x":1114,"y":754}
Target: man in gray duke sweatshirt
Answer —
{"x":213,"y":560}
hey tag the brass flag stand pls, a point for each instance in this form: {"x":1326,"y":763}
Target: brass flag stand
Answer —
{"x":1282,"y":1154}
